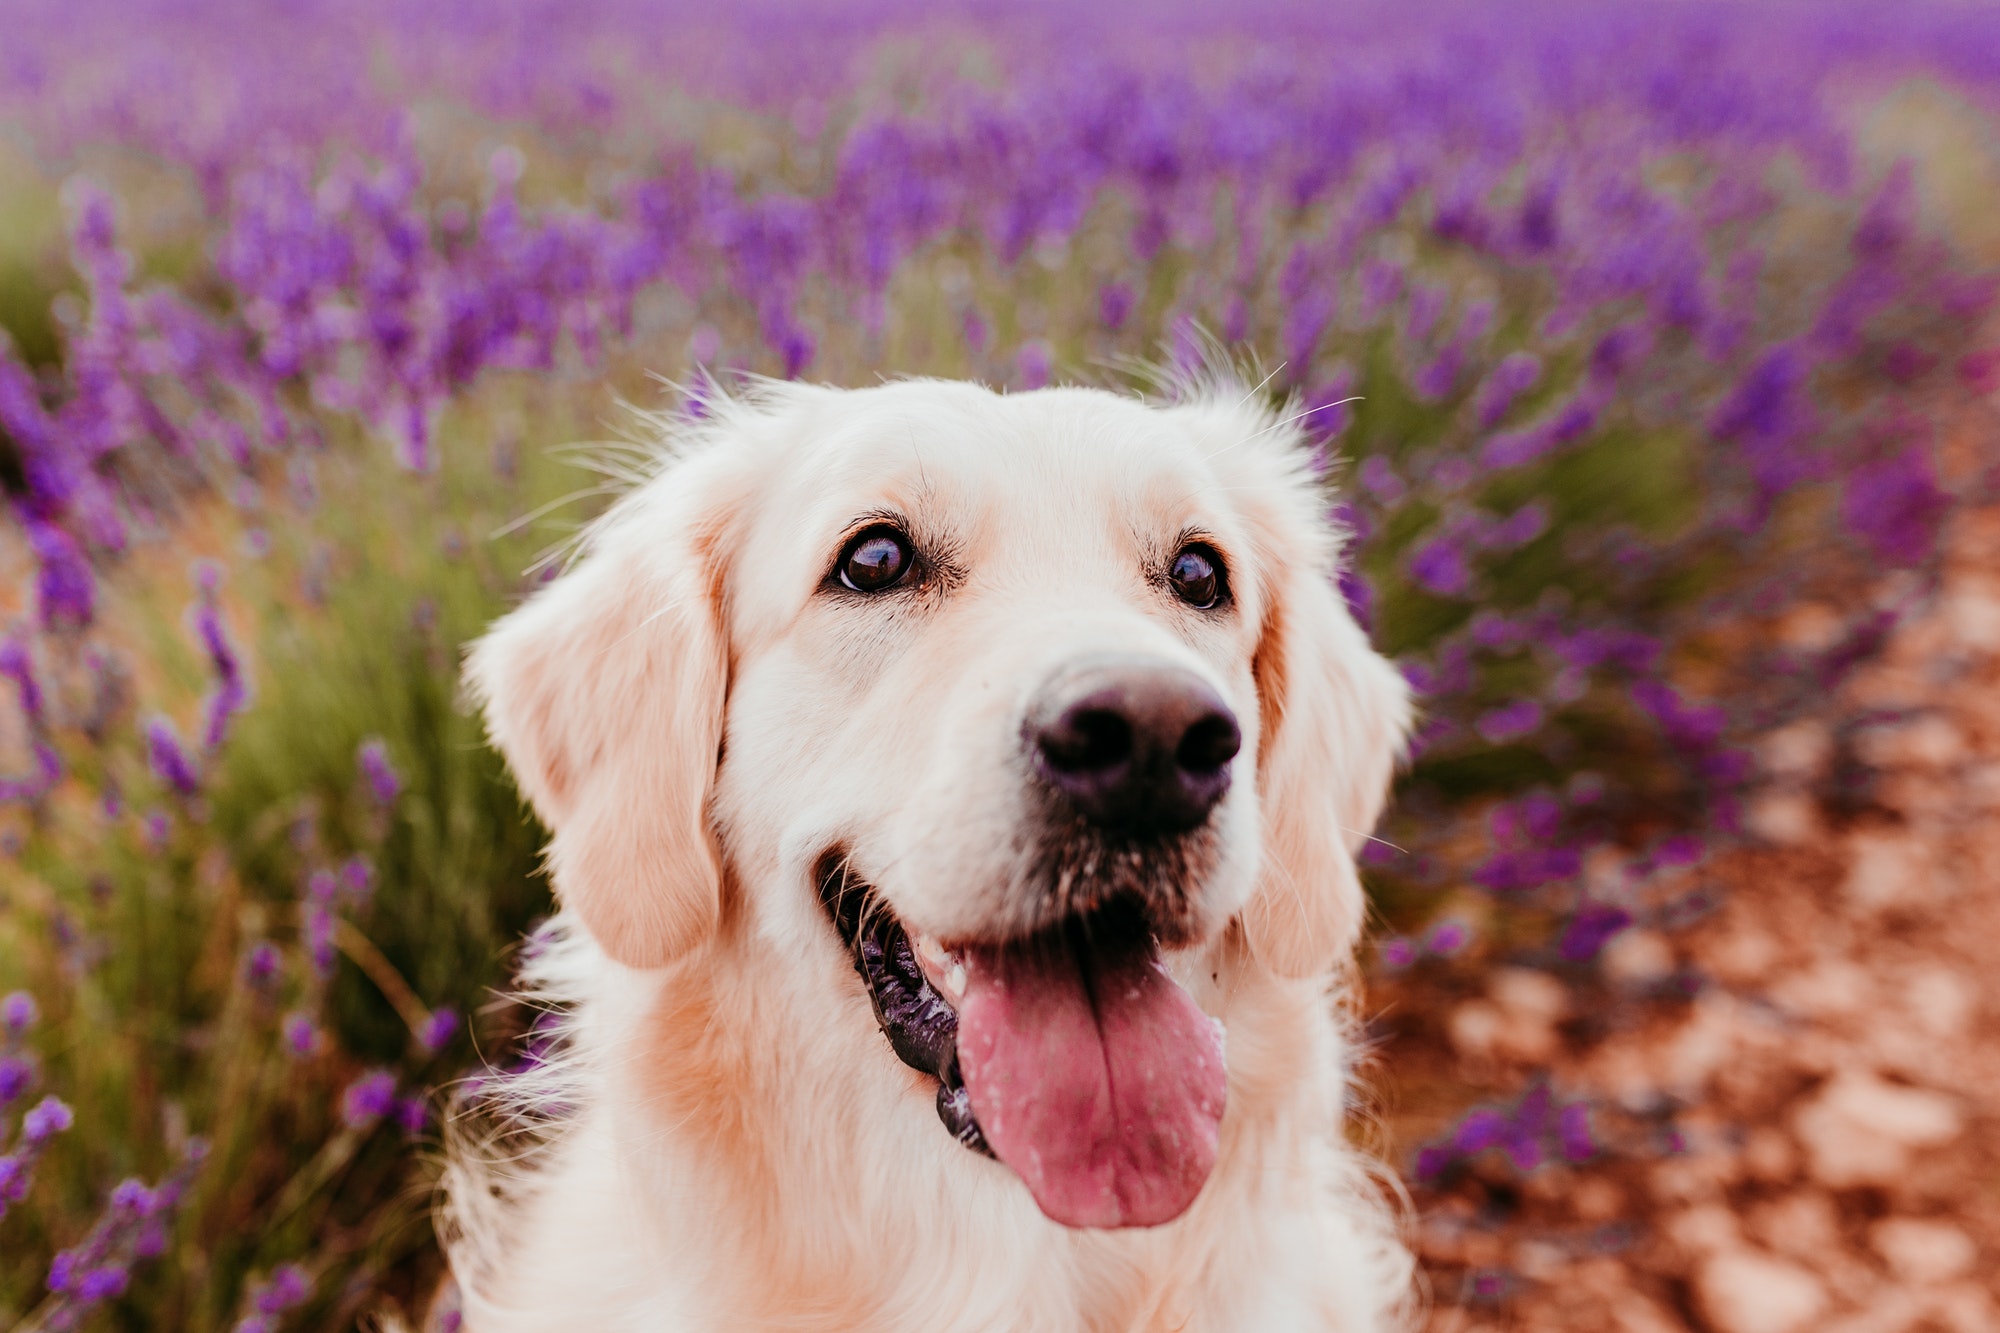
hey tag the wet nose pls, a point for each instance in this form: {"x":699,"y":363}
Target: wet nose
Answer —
{"x":1135,"y":748}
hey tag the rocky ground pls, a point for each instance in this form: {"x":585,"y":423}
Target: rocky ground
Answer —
{"x":1791,"y":1064}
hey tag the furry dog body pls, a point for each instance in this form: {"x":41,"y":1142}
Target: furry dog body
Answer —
{"x":838,"y":678}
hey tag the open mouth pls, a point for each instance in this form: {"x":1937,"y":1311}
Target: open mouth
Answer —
{"x":1070,"y":1055}
{"x":920,"y":1023}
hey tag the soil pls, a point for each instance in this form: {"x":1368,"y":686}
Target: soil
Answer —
{"x":1793,"y":1076}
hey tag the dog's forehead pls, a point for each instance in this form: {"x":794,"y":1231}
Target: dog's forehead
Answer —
{"x":1008,"y":458}
{"x":985,"y":471}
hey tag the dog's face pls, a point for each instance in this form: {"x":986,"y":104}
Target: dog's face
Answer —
{"x":998,"y":651}
{"x":1003,"y":696}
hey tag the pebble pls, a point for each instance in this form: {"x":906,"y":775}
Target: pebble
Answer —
{"x":1768,"y":1154}
{"x":1633,"y":1313}
{"x":1801,"y":752}
{"x":1705,"y":1228}
{"x":1940,"y":1000}
{"x":1637,"y":957}
{"x":1972,"y":609}
{"x":1860,"y":1130}
{"x":1921,"y":1250}
{"x":1517,"y":1023}
{"x":1804,"y":1225}
{"x":1787,"y":818}
{"x":1742,"y":1291}
{"x":1926,"y":742}
{"x":1887,"y":870}
{"x":1526,"y":993}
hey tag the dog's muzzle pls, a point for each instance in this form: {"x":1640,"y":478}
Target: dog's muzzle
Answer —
{"x":1062,"y":1046}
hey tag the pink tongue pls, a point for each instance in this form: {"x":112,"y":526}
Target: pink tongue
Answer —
{"x":1094,"y":1076}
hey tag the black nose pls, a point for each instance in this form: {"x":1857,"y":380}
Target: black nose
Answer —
{"x":1135,"y":748}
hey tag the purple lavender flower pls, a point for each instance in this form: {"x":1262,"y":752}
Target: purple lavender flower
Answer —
{"x":1478,"y":1131}
{"x":795,"y":349}
{"x":1397,"y":951}
{"x":1590,"y":930}
{"x":1378,"y":477}
{"x":1679,"y":849}
{"x":1033,"y":363}
{"x":1114,"y":305}
{"x":368,"y":1099}
{"x":261,"y":964}
{"x":1510,"y":722}
{"x":1490,"y":629}
{"x":1304,"y":325}
{"x":1573,"y":1133}
{"x":1525,"y":524}
{"x":1895,"y":505}
{"x":438,"y":1030}
{"x":1687,"y":725}
{"x":17,"y":1075}
{"x":232,"y":691}
{"x":1766,"y":412}
{"x":1359,"y":596}
{"x":412,"y":1116}
{"x":47,"y":772}
{"x":1525,"y":1151}
{"x":318,"y":929}
{"x":1528,"y":1132}
{"x":1447,"y":938}
{"x":287,"y":1287}
{"x":18,"y":1012}
{"x":383,"y":780}
{"x":1439,"y":567}
{"x":102,"y":1284}
{"x":321,"y":887}
{"x":131,"y":1195}
{"x":133,"y":1227}
{"x":65,"y":588}
{"x":169,"y":760}
{"x":16,"y":665}
{"x":301,"y":1035}
{"x":1515,"y":375}
{"x":46,"y":1119}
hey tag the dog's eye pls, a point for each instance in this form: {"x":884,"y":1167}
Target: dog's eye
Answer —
{"x":876,"y":560}
{"x":1196,"y":576}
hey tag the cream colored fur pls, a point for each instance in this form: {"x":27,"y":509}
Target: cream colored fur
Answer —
{"x":720,"y":1138}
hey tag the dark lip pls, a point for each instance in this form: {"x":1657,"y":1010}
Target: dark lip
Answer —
{"x":921,"y":1026}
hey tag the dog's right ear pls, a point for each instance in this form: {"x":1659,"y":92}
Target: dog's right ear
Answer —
{"x":604,"y":691}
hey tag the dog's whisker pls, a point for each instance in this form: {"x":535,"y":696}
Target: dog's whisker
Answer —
{"x":515,"y":525}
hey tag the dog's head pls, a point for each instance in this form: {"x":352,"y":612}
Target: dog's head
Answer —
{"x":1004,"y":695}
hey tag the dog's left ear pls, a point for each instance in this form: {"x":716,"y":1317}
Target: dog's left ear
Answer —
{"x":605,"y":692}
{"x":1334,"y":715}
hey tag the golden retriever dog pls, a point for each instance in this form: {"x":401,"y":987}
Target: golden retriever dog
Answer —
{"x":954,"y":798}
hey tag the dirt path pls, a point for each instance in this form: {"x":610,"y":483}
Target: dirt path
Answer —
{"x":1795,"y":1098}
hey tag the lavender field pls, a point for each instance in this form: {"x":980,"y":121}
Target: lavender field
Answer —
{"x":1655,"y":352}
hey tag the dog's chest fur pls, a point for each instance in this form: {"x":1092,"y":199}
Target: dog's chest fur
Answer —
{"x":712,"y":1181}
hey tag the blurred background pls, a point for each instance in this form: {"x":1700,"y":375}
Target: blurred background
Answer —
{"x":1653,"y":354}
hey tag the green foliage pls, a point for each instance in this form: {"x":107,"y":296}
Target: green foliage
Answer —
{"x":354,"y":622}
